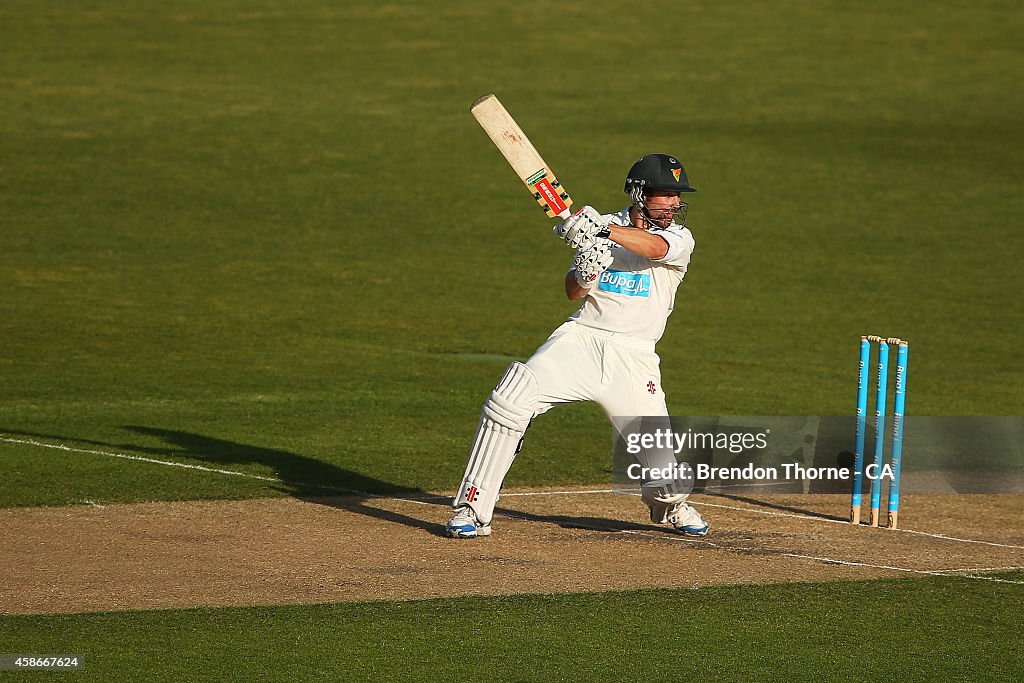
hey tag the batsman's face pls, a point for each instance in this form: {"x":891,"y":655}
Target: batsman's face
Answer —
{"x":663,"y":206}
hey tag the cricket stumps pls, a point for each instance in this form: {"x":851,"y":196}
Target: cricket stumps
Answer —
{"x":878,"y":470}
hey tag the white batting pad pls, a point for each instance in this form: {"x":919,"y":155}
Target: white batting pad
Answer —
{"x":503,"y":422}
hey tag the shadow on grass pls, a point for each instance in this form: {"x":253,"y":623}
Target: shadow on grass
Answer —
{"x":316,"y":481}
{"x":296,"y":475}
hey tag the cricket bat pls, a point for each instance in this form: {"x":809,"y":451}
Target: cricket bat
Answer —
{"x":520,"y":153}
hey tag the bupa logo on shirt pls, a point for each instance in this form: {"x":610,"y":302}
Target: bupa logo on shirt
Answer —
{"x":630,"y":284}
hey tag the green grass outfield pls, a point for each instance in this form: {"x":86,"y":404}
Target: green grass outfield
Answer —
{"x":884,"y":630}
{"x":268,"y":236}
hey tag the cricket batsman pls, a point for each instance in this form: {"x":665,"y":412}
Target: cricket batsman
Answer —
{"x":626,"y":270}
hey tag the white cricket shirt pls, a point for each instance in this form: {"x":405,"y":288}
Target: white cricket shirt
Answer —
{"x":635,"y":296}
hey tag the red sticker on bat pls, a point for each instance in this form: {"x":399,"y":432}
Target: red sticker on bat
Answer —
{"x":550,"y":197}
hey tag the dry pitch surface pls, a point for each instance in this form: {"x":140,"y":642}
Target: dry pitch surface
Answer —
{"x":285,"y":551}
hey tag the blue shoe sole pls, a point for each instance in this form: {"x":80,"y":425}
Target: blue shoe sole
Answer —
{"x":466,"y":531}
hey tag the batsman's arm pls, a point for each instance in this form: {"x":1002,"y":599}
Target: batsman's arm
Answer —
{"x":640,"y":242}
{"x":573,"y":290}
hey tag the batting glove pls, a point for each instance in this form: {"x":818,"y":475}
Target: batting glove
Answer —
{"x":591,"y":262}
{"x":583,"y":228}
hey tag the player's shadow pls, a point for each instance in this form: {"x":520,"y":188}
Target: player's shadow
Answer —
{"x":296,"y":475}
{"x":581,"y":523}
{"x":831,"y":457}
{"x":760,"y":502}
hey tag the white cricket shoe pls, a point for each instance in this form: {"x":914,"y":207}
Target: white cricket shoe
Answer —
{"x":465,"y":524}
{"x":687,"y":520}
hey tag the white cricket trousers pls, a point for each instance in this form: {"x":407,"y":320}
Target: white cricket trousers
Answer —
{"x":620,"y":373}
{"x":576,"y":363}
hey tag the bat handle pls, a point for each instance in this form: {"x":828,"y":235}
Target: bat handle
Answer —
{"x":565,"y":214}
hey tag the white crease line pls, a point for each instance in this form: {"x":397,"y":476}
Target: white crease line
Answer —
{"x":831,"y":560}
{"x":985,"y":569}
{"x":846,"y":523}
{"x":554,"y":493}
{"x":712,"y":486}
{"x":825,"y":560}
{"x":777,"y":514}
{"x":424,"y":500}
{"x":170,"y":463}
{"x":962,"y":540}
